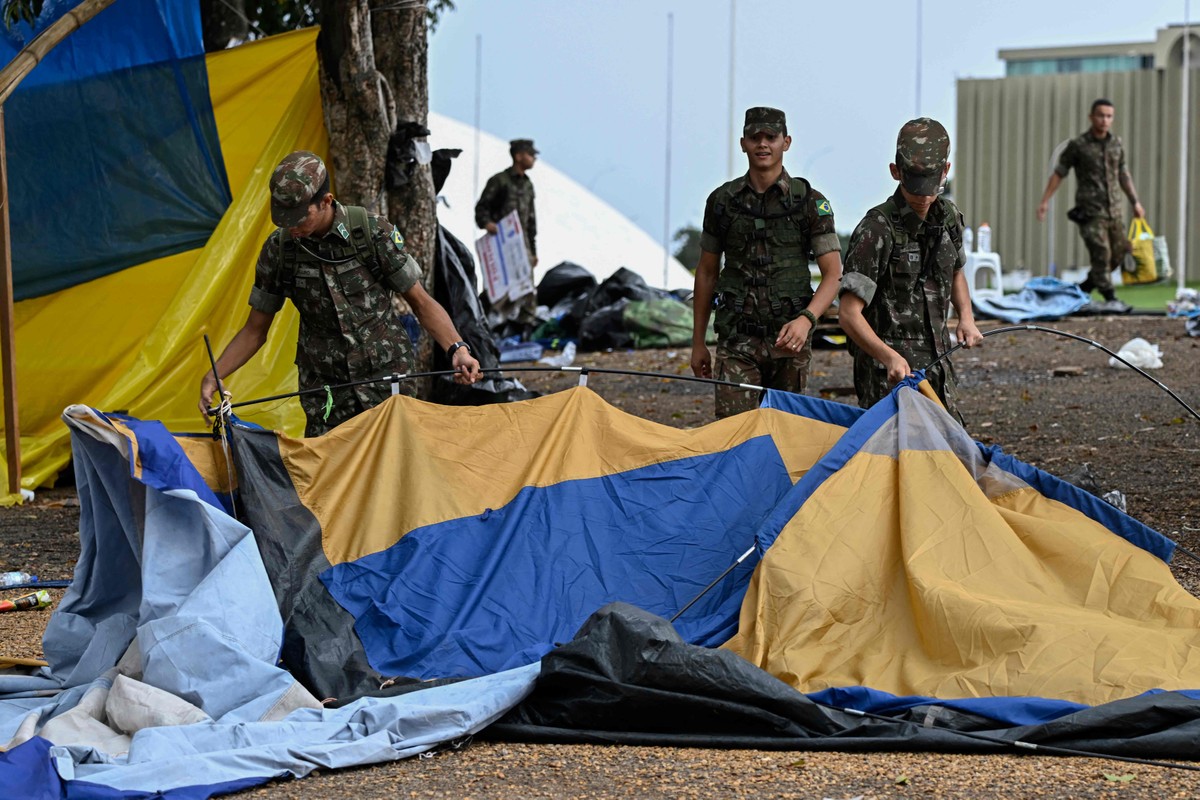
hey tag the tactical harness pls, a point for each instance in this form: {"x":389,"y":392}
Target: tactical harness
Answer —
{"x":904,"y":247}
{"x":774,"y":252}
{"x":360,"y":246}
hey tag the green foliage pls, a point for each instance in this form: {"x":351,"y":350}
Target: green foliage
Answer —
{"x":687,"y":246}
{"x":280,"y":16}
{"x":21,"y":11}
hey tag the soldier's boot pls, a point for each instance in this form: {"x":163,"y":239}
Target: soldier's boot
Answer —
{"x":1087,"y":286}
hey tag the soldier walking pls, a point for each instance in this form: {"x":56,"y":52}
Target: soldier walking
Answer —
{"x":1098,"y":157}
{"x":904,"y":270}
{"x":768,"y":225}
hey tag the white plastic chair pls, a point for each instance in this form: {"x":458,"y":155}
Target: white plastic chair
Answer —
{"x":985,"y":266}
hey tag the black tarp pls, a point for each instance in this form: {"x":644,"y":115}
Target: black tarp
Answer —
{"x":454,"y":288}
{"x":628,"y":678}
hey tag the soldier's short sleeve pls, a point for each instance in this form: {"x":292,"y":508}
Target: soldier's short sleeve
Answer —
{"x":865,"y":257}
{"x":398,"y":270}
{"x":266,"y":295}
{"x":957,"y":225}
{"x":710,"y":229}
{"x":1066,"y":159}
{"x":822,"y":235}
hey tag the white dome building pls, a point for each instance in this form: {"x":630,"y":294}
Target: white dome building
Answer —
{"x":573,"y":224}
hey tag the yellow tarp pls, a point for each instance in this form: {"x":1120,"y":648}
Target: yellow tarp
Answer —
{"x":133,"y":341}
{"x":917,"y":569}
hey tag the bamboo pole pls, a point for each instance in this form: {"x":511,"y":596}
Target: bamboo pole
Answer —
{"x":32,"y":54}
{"x":12,"y":424}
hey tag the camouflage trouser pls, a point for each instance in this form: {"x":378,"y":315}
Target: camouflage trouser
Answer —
{"x":871,"y":384}
{"x":347,"y":403}
{"x":1106,"y":246}
{"x":749,"y":359}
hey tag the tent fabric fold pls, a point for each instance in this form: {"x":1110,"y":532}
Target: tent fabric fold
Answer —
{"x":909,"y":562}
{"x":410,"y":578}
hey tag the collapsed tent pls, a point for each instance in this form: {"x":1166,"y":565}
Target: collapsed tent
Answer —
{"x":422,"y":557}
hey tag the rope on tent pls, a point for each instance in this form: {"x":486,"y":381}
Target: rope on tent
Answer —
{"x":220,"y":428}
{"x":1017,"y":744}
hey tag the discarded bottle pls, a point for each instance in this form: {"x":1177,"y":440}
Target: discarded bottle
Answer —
{"x":985,"y":238}
{"x":38,"y":599}
{"x":15,"y":578}
{"x":968,"y":239}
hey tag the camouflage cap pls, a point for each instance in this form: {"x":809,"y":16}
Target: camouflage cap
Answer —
{"x":293,"y":184}
{"x":522,"y":146}
{"x":764,"y":118}
{"x":922,"y":148}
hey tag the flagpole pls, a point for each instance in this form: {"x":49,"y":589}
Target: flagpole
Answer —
{"x":1184,"y":173}
{"x":667,"y":181}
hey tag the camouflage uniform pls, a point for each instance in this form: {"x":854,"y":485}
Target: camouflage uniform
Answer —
{"x":508,"y":191}
{"x":767,"y":240}
{"x":1100,"y":172}
{"x":903,"y":268}
{"x":341,"y":284}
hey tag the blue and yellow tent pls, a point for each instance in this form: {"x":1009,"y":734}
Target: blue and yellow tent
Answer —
{"x":138,"y":168}
{"x":255,"y":607}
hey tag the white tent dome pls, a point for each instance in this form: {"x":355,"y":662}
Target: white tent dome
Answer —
{"x":573,"y":224}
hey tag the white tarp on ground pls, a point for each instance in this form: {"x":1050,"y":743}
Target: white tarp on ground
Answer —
{"x":573,"y":224}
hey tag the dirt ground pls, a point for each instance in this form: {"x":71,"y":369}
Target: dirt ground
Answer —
{"x":1050,"y":401}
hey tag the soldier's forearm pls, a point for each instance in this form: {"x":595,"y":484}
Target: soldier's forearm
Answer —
{"x":830,"y":265}
{"x":1128,"y":187}
{"x":1051,"y":187}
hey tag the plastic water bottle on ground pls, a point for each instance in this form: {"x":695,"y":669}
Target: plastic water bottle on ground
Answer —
{"x":985,"y":238}
{"x":15,"y":578}
{"x":968,"y":239}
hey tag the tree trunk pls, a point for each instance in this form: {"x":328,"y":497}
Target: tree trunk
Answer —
{"x":356,"y":115}
{"x":402,"y":56}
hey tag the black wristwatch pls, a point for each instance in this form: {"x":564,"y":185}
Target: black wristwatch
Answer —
{"x":452,"y":349}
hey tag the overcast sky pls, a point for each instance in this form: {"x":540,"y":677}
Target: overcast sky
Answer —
{"x":587,"y":79}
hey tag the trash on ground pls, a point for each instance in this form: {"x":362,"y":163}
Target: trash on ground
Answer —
{"x":27,"y":602}
{"x":563,"y":359}
{"x":1139,"y":353}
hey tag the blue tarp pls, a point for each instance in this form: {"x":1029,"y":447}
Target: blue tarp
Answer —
{"x":113,"y":153}
{"x":1041,"y":299}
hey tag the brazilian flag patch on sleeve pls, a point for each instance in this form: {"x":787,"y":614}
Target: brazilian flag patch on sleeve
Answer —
{"x":397,"y":239}
{"x":823,"y":208}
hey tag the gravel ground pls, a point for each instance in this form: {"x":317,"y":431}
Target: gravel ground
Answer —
{"x":1130,"y":435}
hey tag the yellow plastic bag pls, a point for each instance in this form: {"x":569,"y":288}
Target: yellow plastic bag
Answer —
{"x":1141,"y":242}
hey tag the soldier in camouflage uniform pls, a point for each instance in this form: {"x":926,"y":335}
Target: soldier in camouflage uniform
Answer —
{"x":768,"y":225}
{"x":1098,"y":158}
{"x":512,"y":190}
{"x":904,"y":270}
{"x":339,"y":265}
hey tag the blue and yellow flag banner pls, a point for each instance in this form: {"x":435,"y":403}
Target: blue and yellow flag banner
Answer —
{"x":119,"y":160}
